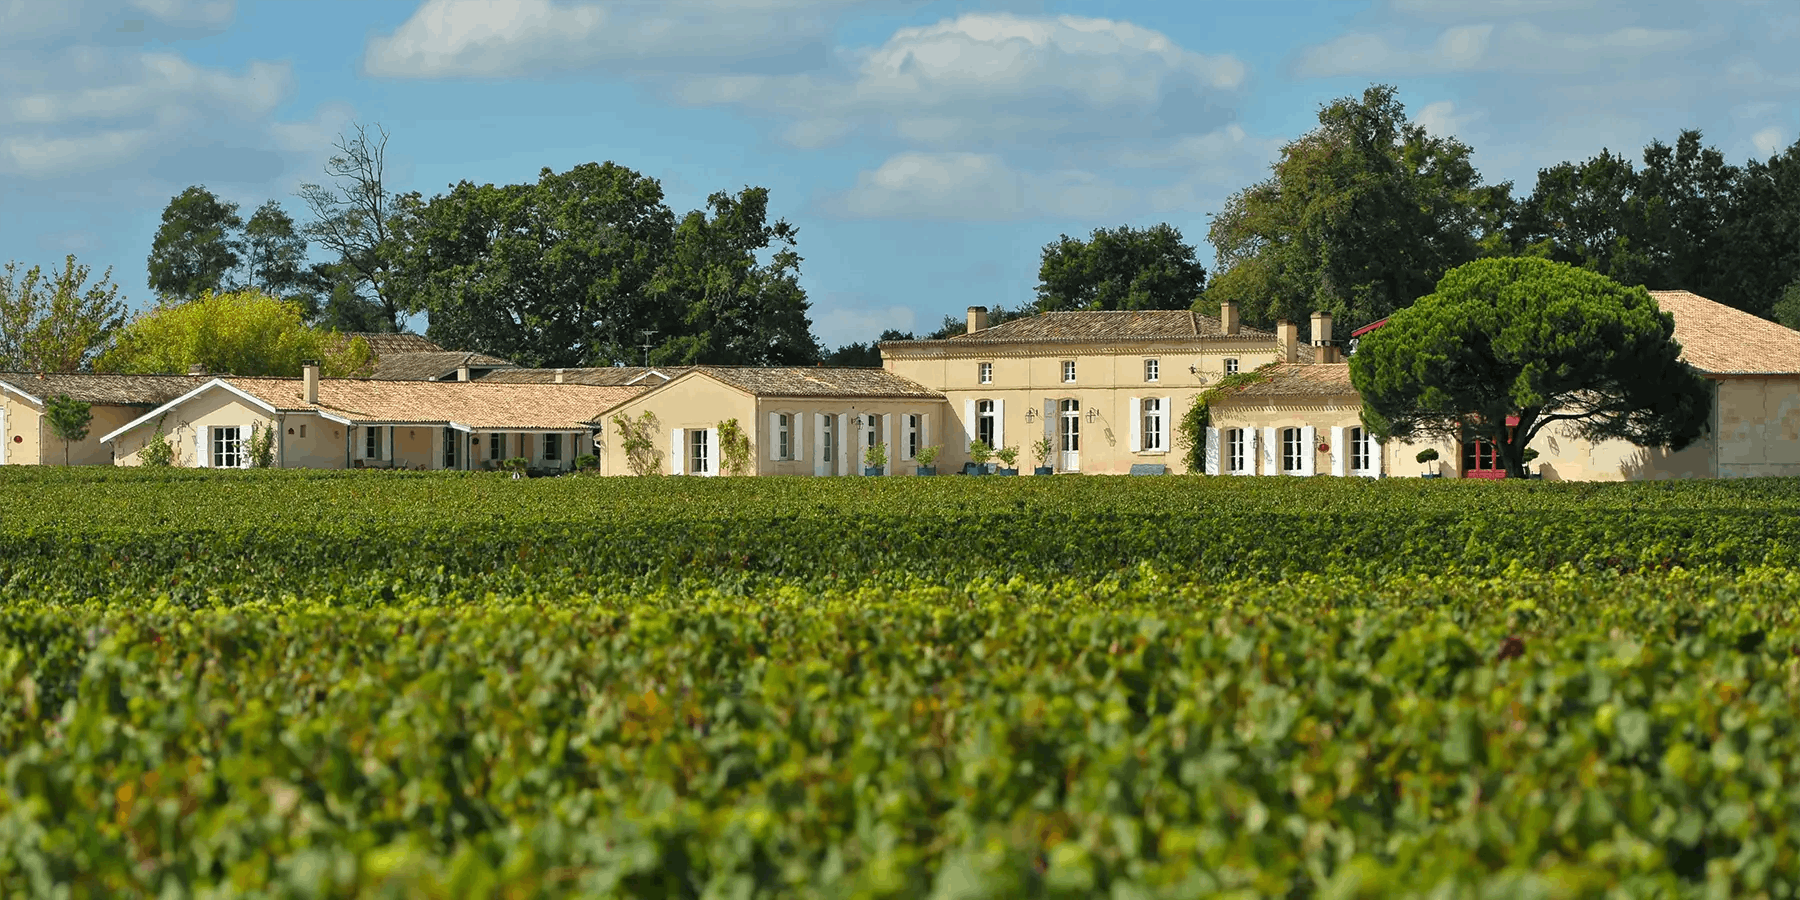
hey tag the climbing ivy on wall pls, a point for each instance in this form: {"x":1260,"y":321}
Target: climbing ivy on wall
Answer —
{"x":1190,"y":436}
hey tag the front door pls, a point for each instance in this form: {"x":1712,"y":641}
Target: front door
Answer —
{"x":1481,"y":459}
{"x":1071,"y":435}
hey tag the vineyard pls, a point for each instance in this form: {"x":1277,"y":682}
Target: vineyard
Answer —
{"x":301,"y":684}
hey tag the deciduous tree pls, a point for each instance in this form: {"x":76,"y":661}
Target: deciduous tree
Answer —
{"x":242,"y":333}
{"x":1120,"y":268}
{"x":1361,"y":217}
{"x":274,"y":253}
{"x":353,"y":218}
{"x":196,"y":246}
{"x":56,"y":323}
{"x":68,"y":419}
{"x":1541,"y":340}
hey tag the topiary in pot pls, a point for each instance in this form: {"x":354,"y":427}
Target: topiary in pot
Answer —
{"x":1426,"y":457}
{"x":927,"y":456}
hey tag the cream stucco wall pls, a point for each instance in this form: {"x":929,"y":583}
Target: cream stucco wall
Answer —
{"x":29,"y":440}
{"x":689,"y":402}
{"x":312,"y":442}
{"x":184,"y":423}
{"x":23,"y":430}
{"x":890,"y":428}
{"x":1758,"y":422}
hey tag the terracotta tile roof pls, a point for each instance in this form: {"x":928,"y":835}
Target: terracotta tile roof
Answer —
{"x":1720,"y":340}
{"x":425,"y":366}
{"x":496,"y":407}
{"x":820,"y":381}
{"x":611,"y":375}
{"x":385,"y":344}
{"x":1299,"y":379}
{"x":1104,"y":325}
{"x":111,"y":390}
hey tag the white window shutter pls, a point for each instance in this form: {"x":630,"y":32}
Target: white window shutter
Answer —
{"x":678,"y":451}
{"x":713,"y":451}
{"x":1375,"y":451}
{"x":1166,"y":425}
{"x":842,"y":465}
{"x":202,"y":458}
{"x":775,"y":436}
{"x":1339,"y":452}
{"x":1271,"y":451}
{"x":969,"y":422}
{"x":1249,"y":451}
{"x":797,"y":437}
{"x":925,"y":430}
{"x":887,"y":438}
{"x":1212,"y":451}
{"x":1309,"y":449}
{"x":862,"y":443}
{"x":1137,"y":425}
{"x":819,"y":444}
{"x":387,"y":446}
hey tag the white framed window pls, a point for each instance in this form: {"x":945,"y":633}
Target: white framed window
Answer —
{"x":1231,"y":365}
{"x":1292,"y":446}
{"x":828,"y":439}
{"x":912,"y":437}
{"x":984,"y":372}
{"x":699,"y":452}
{"x":1068,"y":371}
{"x":228,"y":447}
{"x":496,"y":446}
{"x":871,"y":430}
{"x":1153,"y":421}
{"x":372,"y":442}
{"x":451,"y":440}
{"x":1234,"y":450}
{"x":784,"y":436}
{"x":552,"y":447}
{"x":1152,"y":368}
{"x":1362,"y":450}
{"x":984,"y":421}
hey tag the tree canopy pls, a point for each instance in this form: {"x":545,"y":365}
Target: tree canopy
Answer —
{"x":1361,"y":217}
{"x":1120,"y":268}
{"x":54,"y":323}
{"x":1527,"y":337}
{"x":354,"y":217}
{"x":194,"y":249}
{"x":68,"y":419}
{"x":241,"y":333}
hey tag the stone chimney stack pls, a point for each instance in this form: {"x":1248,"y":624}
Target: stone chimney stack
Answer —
{"x":462,"y":370}
{"x":1287,"y":341}
{"x":1228,"y":316}
{"x":977,"y":318}
{"x":1324,"y":348}
{"x":559,"y":376}
{"x":197,"y":370}
{"x":309,"y":381}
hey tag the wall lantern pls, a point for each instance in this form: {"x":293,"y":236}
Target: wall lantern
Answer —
{"x":1193,"y":370}
{"x":1030,"y":414}
{"x":1093,"y":415}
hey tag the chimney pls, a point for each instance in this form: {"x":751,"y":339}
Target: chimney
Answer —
{"x":309,"y":381}
{"x":1324,"y":349}
{"x":559,"y":379}
{"x":197,"y":370}
{"x":462,"y":370}
{"x":1287,"y":341}
{"x":1228,"y":316}
{"x":977,"y":318}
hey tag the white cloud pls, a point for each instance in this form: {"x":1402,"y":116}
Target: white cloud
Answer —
{"x":486,"y":39}
{"x":837,"y":320}
{"x":1441,"y":118}
{"x":1768,"y":141}
{"x":977,"y":187}
{"x":990,"y":78}
{"x":1521,"y":47}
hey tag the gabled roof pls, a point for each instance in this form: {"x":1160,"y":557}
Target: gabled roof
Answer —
{"x":1297,"y":379}
{"x":430,"y":365}
{"x":107,"y":390}
{"x":382,"y":344}
{"x":488,"y":407}
{"x":1720,"y":340}
{"x":611,"y":375}
{"x":1089,"y":326}
{"x":820,"y":381}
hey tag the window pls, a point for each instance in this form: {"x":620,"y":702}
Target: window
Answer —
{"x":451,"y":440}
{"x":372,"y":443}
{"x":1151,"y":367}
{"x":784,"y":441}
{"x":496,"y":446}
{"x":984,"y":421}
{"x":1153,"y":417}
{"x":828,"y":439}
{"x":552,"y":448}
{"x":912,"y":437}
{"x":303,"y":429}
{"x":872,"y":423}
{"x":1234,"y":450}
{"x":1068,"y":371}
{"x":1230,"y":365}
{"x":1291,"y":450}
{"x":228,"y":448}
{"x":1071,"y":426}
{"x":699,"y":452}
{"x":1359,"y":450}
{"x":986,"y":373}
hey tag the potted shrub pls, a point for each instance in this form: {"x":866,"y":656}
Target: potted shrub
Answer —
{"x":1426,"y":457}
{"x":979,"y":454}
{"x":1040,"y":454}
{"x":517,"y":466}
{"x":927,"y":456}
{"x":874,"y":459}
{"x":1526,"y":458}
{"x":1009,"y":460}
{"x":587,"y":463}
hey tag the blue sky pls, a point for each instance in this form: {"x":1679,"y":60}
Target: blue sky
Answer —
{"x":925,"y":150}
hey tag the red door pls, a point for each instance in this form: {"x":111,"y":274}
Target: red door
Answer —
{"x":1481,"y":459}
